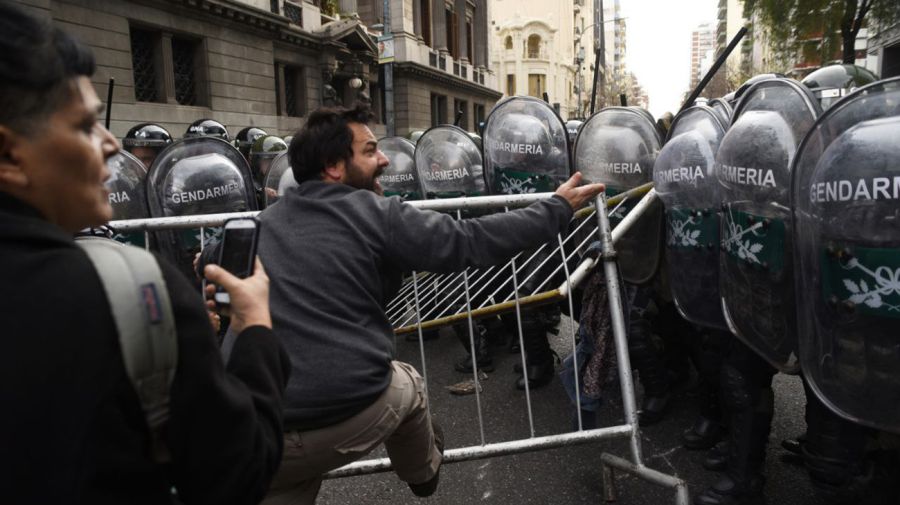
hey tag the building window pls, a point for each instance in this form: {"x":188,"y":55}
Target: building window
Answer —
{"x":438,"y":109}
{"x":536,"y":85}
{"x":479,"y":115}
{"x":179,"y":79}
{"x":294,"y":13}
{"x":145,"y":47}
{"x":461,"y":110}
{"x":425,"y":21}
{"x":509,"y":43}
{"x":534,"y":46}
{"x":291,"y":90}
{"x":452,"y":31}
{"x":184,"y":52}
{"x":511,"y":84}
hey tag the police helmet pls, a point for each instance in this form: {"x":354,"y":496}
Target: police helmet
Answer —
{"x":207,"y":128}
{"x":246,"y":137}
{"x":832,"y":82}
{"x":264,"y":150}
{"x":145,"y":141}
{"x":146,"y":135}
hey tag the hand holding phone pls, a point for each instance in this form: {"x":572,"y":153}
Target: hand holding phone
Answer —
{"x":249,"y":297}
{"x":237,"y":252}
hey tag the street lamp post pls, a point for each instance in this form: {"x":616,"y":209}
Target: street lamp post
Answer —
{"x":599,"y":57}
{"x":388,"y":75}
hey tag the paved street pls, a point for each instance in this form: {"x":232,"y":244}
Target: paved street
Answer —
{"x":561,"y":476}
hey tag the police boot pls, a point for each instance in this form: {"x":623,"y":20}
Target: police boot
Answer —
{"x":538,"y":355}
{"x":708,"y":429}
{"x":482,"y":350}
{"x":716,"y":459}
{"x":834,"y":454}
{"x":648,"y":359}
{"x":751,"y":408}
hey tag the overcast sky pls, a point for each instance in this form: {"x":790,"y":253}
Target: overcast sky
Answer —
{"x":658,"y":48}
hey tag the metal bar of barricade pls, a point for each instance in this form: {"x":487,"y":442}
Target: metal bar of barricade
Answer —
{"x":617,"y":314}
{"x":493,"y":450}
{"x":524,"y":362}
{"x":449,"y":204}
{"x":415,"y":284}
{"x":472,"y":350}
{"x":610,"y":463}
{"x":575,"y":368}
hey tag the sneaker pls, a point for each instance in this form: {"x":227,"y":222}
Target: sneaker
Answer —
{"x":427,"y":488}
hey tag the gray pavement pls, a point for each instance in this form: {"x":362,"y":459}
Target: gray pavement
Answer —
{"x":560,"y":476}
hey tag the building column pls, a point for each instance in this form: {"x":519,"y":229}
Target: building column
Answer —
{"x":439,"y":28}
{"x":460,"y":6}
{"x":417,"y":18}
{"x":481,"y":36}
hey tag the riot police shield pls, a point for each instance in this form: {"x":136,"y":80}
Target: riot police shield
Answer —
{"x":279,"y":179}
{"x":200,"y":175}
{"x":755,"y":262}
{"x":449,"y":163}
{"x":684,"y":178}
{"x":526,"y":148}
{"x":400,"y":178}
{"x":846,"y":196}
{"x":723,"y":109}
{"x":127,"y":185}
{"x":618,"y":147}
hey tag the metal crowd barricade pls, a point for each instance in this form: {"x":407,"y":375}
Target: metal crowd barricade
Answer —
{"x":429,"y":301}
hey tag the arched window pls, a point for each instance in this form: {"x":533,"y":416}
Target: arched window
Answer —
{"x":534,"y":46}
{"x":509,"y":42}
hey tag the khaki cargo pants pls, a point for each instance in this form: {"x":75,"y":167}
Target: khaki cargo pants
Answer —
{"x":399,"y":419}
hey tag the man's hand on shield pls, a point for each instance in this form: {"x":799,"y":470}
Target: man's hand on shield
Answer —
{"x":578,"y":195}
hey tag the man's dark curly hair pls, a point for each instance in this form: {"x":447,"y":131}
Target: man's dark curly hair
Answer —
{"x":325,"y":140}
{"x":37,"y":64}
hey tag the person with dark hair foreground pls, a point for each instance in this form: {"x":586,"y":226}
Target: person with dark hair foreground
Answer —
{"x":72,"y":428}
{"x":335,"y":251}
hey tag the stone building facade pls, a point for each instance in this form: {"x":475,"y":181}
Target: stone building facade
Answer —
{"x":538,"y":48}
{"x":441,"y":66}
{"x":241,"y":62}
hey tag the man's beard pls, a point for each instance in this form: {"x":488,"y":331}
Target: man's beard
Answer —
{"x":358,"y":179}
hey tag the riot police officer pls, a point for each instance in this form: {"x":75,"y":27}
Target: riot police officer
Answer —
{"x":246,"y":137}
{"x":835,"y":450}
{"x":526,"y":150}
{"x":145,"y":141}
{"x":264,"y":150}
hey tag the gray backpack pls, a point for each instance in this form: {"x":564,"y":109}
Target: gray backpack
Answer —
{"x":143,"y":315}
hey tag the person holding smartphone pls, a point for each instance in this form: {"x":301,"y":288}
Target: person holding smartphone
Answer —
{"x":335,"y":251}
{"x":72,"y":428}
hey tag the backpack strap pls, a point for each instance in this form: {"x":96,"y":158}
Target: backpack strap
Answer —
{"x":142,"y":311}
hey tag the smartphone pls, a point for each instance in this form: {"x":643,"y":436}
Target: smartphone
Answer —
{"x":237,"y":253}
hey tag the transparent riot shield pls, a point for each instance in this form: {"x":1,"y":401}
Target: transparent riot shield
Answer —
{"x":756,"y":268}
{"x":400,"y":178}
{"x":685,"y":180}
{"x":127,"y":185}
{"x":526,"y":148}
{"x":618,"y":147}
{"x":846,"y":196}
{"x":723,"y":109}
{"x":195,"y":176}
{"x":449,"y":163}
{"x":279,"y":179}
